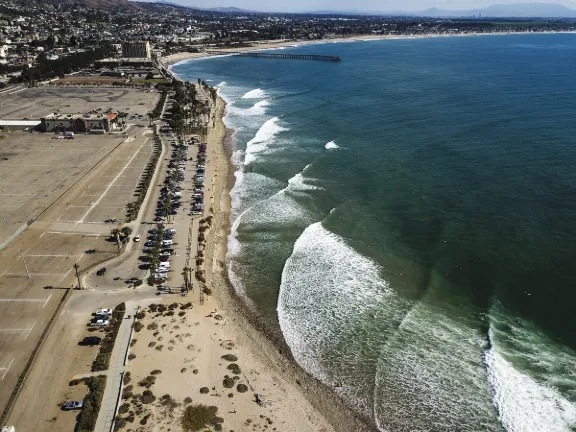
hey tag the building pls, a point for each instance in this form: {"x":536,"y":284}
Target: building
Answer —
{"x":24,"y":125}
{"x":80,"y":123}
{"x":136,"y":50}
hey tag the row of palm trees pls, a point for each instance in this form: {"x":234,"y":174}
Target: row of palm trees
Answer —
{"x":132,"y":208}
{"x":153,"y":253}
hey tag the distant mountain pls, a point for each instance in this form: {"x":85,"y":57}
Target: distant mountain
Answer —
{"x":518,"y":10}
{"x":228,"y":10}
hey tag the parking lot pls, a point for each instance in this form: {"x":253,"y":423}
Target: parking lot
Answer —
{"x":72,"y":230}
{"x":35,"y":103}
{"x":36,"y":169}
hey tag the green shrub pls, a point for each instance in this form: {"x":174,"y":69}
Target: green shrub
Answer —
{"x":242,"y":388}
{"x":124,"y":408}
{"x":228,"y":382}
{"x":138,"y":326}
{"x":102,"y":360}
{"x":127,"y":377}
{"x":148,"y":382}
{"x":197,"y":417}
{"x":119,"y":423}
{"x":92,"y":401}
{"x":234,"y":368}
{"x":230,"y":357}
{"x":148,"y":397}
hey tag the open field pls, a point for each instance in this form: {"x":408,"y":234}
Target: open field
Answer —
{"x":35,"y":103}
{"x":45,"y":253}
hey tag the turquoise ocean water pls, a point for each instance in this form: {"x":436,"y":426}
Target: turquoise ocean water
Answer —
{"x":407,"y":219}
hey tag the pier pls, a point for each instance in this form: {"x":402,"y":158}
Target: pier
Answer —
{"x":277,"y":55}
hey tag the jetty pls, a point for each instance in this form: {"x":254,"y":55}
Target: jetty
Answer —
{"x":276,"y":55}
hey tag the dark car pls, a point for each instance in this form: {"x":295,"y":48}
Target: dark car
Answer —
{"x":101,"y":271}
{"x":90,"y":341}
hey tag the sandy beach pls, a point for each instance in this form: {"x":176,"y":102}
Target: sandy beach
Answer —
{"x":187,"y":345}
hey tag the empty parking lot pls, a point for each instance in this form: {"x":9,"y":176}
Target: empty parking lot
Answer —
{"x":72,"y":230}
{"x":38,"y":102}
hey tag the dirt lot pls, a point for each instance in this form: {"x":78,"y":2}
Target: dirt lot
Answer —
{"x":45,"y":253}
{"x":38,"y":102}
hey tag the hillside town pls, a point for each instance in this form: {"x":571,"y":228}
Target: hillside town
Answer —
{"x":35,"y":33}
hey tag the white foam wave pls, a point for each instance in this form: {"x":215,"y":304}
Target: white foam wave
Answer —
{"x":431,"y":374}
{"x":331,"y":298}
{"x":254,"y":94}
{"x":222,"y":84}
{"x":527,"y":369}
{"x":263,"y":138}
{"x":299,"y":183}
{"x":331,"y":145}
{"x":525,"y":405}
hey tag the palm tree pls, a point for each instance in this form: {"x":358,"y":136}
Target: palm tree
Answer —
{"x":115,"y":233}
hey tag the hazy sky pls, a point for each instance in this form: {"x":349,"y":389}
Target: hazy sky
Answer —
{"x":368,"y":5}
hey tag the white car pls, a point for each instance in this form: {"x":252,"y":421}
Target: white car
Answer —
{"x":137,"y":238}
{"x":100,"y":323}
{"x":103,"y":311}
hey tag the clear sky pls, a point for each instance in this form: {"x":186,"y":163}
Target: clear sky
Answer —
{"x":364,"y":5}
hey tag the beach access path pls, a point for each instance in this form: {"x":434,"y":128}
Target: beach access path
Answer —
{"x":115,"y":373}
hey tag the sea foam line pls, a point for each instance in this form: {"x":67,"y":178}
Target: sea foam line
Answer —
{"x":263,"y":138}
{"x":525,"y":405}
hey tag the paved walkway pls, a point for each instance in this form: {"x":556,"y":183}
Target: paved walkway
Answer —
{"x":115,"y":372}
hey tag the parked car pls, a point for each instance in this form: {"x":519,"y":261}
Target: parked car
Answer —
{"x":103,"y":311}
{"x":100,"y":323}
{"x":72,"y":405}
{"x":90,"y":341}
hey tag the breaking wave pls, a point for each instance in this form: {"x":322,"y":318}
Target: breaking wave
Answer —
{"x":331,"y":299}
{"x":331,"y":145}
{"x":263,"y":138}
{"x":254,"y":94}
{"x":259,"y":108}
{"x":528,"y":372}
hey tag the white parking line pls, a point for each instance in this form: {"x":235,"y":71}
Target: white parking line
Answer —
{"x":48,"y":255}
{"x":46,"y":302}
{"x":65,"y":275}
{"x":32,"y":274}
{"x":25,"y":300}
{"x":6,"y":369}
{"x":28,"y":334}
{"x":111,"y":184}
{"x":76,"y":233}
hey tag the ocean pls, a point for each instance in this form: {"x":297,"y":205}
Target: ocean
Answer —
{"x":406,"y":218}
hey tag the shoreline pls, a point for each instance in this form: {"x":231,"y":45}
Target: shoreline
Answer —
{"x":263,"y":342}
{"x":184,"y":57}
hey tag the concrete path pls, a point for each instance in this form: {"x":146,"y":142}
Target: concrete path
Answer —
{"x":115,"y":372}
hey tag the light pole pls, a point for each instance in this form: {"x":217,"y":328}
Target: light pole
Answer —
{"x":76,"y":266}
